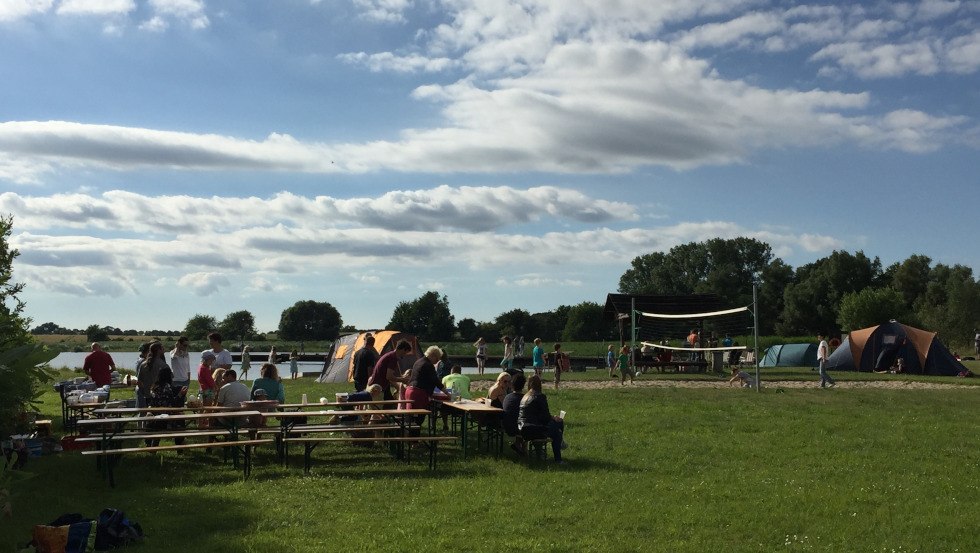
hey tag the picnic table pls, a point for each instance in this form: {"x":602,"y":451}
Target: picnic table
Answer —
{"x":294,"y":426}
{"x":112,"y":430}
{"x":471,"y":412}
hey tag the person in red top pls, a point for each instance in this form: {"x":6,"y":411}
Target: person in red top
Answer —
{"x":209,"y":390}
{"x":99,"y":365}
{"x":387,"y":370}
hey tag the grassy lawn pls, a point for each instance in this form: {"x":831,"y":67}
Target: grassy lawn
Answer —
{"x":651,"y":469}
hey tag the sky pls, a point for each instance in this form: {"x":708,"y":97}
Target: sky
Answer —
{"x":168,"y":158}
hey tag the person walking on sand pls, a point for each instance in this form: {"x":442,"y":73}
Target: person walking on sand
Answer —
{"x":611,"y":361}
{"x":823,"y":353}
{"x":481,"y":354}
{"x":624,"y":365}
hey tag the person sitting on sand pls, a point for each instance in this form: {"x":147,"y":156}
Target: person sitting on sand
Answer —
{"x":745,"y":379}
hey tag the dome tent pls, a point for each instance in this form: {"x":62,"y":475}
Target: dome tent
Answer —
{"x":339,"y":364}
{"x":790,"y":355}
{"x":921,"y":351}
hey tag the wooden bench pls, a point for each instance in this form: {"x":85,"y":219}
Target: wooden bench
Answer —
{"x":113,"y":455}
{"x":295,"y":433}
{"x":164,"y":435}
{"x":430,"y":442}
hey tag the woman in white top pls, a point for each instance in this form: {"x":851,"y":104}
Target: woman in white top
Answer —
{"x":180,"y":363}
{"x":481,"y":354}
{"x":507,"y":363}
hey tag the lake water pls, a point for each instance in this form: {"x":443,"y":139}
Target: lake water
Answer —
{"x":127,"y":360}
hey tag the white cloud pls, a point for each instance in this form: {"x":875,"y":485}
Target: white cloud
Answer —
{"x":95,"y":7}
{"x":190,"y":12}
{"x":887,"y":60}
{"x":536,"y":280}
{"x":204,"y":283}
{"x":470,"y":208}
{"x":387,"y":61}
{"x":12,"y":10}
{"x":385,"y":11}
{"x":208,"y":259}
{"x":431,"y":285}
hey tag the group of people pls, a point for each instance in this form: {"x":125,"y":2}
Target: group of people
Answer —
{"x":525,"y":414}
{"x":163,"y":384}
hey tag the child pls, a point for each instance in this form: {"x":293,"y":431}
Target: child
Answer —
{"x":611,"y":361}
{"x":559,"y":364}
{"x":209,"y":390}
{"x":624,"y":365}
{"x":294,"y":365}
{"x":744,"y":378}
{"x":246,"y":361}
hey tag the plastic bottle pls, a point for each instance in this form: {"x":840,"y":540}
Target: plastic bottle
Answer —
{"x":304,"y":399}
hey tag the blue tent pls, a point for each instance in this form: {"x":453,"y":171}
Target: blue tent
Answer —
{"x":790,"y":355}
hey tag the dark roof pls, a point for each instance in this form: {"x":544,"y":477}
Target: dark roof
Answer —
{"x":619,"y":305}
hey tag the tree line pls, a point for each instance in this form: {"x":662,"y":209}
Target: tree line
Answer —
{"x":840,"y":292}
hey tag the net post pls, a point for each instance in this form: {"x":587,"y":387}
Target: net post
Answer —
{"x":755,"y":334}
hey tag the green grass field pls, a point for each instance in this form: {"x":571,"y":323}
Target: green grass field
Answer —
{"x":649,"y":469}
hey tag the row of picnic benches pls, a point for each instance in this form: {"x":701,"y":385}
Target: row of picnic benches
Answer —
{"x":119,"y":432}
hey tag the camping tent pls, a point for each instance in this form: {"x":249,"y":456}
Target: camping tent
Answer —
{"x":879,"y":346}
{"x":339,"y":365}
{"x":790,"y":355}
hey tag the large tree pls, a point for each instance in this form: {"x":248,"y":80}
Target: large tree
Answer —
{"x":726,"y":267}
{"x":910,"y":278}
{"x":813,"y":299}
{"x":951,"y":303}
{"x":199,"y":326}
{"x":586,"y":323}
{"x":427,"y":316}
{"x":20,"y":355}
{"x":239,"y":325}
{"x":870,"y":307}
{"x":310,"y":320}
{"x":513,"y":323}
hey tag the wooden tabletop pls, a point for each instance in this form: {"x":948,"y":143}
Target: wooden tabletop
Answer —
{"x":339,"y":413}
{"x":179,"y":417}
{"x":339,"y":403}
{"x":471,"y":405}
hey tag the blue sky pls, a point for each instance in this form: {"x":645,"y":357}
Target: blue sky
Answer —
{"x":167,"y":158}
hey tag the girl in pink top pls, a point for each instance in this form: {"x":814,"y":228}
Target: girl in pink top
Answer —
{"x":209,"y":389}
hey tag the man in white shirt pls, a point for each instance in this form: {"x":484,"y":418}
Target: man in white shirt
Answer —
{"x":222,"y":357}
{"x":823,"y":353}
{"x":233,"y":392}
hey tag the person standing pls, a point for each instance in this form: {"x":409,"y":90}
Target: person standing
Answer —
{"x":246,"y":361}
{"x":976,"y":342}
{"x":180,"y":364}
{"x":294,"y":365}
{"x":507,"y":363}
{"x":537,"y":357}
{"x":147,"y":373}
{"x":823,"y":353}
{"x":99,"y":365}
{"x":611,"y":361}
{"x":222,"y":357}
{"x":481,"y":354}
{"x":364,"y":360}
{"x":559,"y":364}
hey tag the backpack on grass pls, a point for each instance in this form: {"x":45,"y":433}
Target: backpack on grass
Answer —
{"x":115,"y":530}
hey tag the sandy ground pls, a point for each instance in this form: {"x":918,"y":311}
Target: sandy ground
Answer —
{"x":650,"y":382}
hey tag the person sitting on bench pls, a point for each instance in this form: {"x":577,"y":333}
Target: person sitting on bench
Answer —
{"x":233,"y":392}
{"x":165,"y":394}
{"x":512,"y":408}
{"x":536,"y":422}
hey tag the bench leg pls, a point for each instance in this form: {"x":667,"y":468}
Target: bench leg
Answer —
{"x":247,"y":456}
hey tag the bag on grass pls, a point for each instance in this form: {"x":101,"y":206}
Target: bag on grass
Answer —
{"x":115,"y":530}
{"x":70,"y":533}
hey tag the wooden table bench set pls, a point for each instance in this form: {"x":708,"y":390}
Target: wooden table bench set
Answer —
{"x":235,"y":431}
